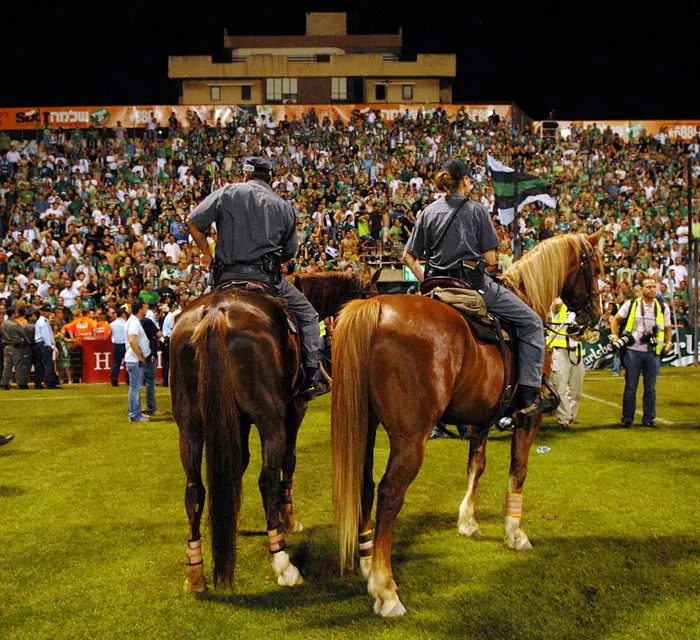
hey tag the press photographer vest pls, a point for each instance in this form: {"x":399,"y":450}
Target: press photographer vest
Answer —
{"x":629,"y":327}
{"x":559,"y":338}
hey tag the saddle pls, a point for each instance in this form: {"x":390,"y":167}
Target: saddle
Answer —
{"x":485,"y":328}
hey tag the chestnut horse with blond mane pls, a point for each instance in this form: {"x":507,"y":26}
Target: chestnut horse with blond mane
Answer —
{"x":234,"y":363}
{"x":408,"y":361}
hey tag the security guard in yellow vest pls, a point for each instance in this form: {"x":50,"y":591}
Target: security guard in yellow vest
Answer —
{"x":648,"y":321}
{"x":568,"y":369}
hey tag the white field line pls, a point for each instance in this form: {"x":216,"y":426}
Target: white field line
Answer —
{"x":617,"y":406}
{"x":77,"y":396}
{"x":606,"y":378}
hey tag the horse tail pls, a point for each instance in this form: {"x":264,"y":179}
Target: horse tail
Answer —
{"x":352,"y":340}
{"x":222,"y":436}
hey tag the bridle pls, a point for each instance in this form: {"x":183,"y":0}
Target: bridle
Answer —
{"x":582,"y":303}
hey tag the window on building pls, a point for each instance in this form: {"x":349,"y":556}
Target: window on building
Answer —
{"x":282,"y":90}
{"x":380,"y":92}
{"x":339,"y":88}
{"x":215,"y":94}
{"x":407,"y":92}
{"x":246,"y":92}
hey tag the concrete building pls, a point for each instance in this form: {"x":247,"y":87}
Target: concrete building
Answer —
{"x":326,"y":65}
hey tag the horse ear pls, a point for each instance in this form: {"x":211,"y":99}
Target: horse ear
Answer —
{"x":595,"y":237}
{"x":374,"y":279}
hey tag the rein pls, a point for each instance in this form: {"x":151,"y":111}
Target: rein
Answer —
{"x":585,"y":302}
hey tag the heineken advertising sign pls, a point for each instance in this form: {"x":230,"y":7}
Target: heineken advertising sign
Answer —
{"x":598,"y":351}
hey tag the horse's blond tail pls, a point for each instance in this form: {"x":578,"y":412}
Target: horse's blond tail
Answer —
{"x":352,"y":341}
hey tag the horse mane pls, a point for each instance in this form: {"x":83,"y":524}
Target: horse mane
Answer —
{"x":539,"y":276}
{"x":328,"y":291}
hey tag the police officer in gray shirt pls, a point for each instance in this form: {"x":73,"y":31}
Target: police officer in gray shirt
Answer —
{"x":461,"y":246}
{"x":13,"y":339}
{"x":29,"y":348}
{"x":256,"y":232}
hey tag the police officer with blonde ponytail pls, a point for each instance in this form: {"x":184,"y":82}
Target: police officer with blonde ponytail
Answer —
{"x":456,"y":236}
{"x":647,"y":333}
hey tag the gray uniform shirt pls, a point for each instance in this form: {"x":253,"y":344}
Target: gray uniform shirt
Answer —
{"x":470,"y":236}
{"x":28,"y":330}
{"x":251,"y":220}
{"x":11,"y":332}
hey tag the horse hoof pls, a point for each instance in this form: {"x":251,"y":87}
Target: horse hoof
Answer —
{"x":293,"y":527}
{"x":523,"y":545}
{"x":390,"y":609}
{"x":200,"y":586}
{"x":290,"y":578}
{"x":470,"y":530}
{"x":518,"y":542}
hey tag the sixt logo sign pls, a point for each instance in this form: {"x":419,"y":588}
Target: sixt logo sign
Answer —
{"x":24,"y":117}
{"x":100,"y":117}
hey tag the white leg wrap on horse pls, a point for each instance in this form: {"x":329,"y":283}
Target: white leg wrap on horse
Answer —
{"x":366,"y":544}
{"x":287,"y":574}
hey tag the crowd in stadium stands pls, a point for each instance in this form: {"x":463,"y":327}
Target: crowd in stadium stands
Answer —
{"x":92,"y":219}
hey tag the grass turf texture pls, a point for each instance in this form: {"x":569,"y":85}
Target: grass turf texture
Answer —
{"x":94,"y":531}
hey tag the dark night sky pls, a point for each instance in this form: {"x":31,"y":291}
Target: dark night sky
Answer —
{"x":593,"y":60}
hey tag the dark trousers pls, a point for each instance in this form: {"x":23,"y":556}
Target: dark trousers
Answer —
{"x":44,"y":367}
{"x":117,"y":359}
{"x":166,"y":362}
{"x":638,"y":363}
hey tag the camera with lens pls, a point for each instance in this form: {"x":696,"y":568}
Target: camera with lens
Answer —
{"x":574,"y":330}
{"x":625,"y":340}
{"x":649,"y":338}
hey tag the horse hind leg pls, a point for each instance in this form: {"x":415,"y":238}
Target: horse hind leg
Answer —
{"x":405,"y":460}
{"x":191,"y":448}
{"x":515,"y":538}
{"x":272,"y":435}
{"x":366,"y":533}
{"x":467,"y":523}
{"x":292,"y":422}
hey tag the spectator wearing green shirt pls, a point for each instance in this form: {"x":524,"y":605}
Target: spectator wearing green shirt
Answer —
{"x":148,"y":295}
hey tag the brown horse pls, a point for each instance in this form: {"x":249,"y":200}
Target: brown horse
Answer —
{"x":233,"y":363}
{"x":408,"y":361}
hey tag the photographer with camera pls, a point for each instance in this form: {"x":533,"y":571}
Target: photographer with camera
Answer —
{"x":138,"y":357}
{"x":647,"y":332}
{"x":568,"y":369}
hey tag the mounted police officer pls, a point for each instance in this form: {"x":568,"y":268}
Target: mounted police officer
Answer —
{"x":456,"y":236}
{"x":256,"y":232}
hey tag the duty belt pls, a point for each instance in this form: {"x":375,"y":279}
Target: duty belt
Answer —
{"x":243,"y":268}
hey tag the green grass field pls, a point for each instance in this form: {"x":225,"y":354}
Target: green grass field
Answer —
{"x":93,"y":531}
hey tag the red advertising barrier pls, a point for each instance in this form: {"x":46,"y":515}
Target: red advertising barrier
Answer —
{"x":97,"y":362}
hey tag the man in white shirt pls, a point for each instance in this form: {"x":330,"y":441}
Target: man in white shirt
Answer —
{"x":138,"y":352}
{"x":117,"y":328}
{"x":44,"y":341}
{"x":649,"y":322}
{"x":681,"y":273}
{"x":167,"y":329}
{"x":171,"y":248}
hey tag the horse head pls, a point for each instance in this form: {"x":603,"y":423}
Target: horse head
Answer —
{"x":328,"y":292}
{"x":369,"y":283}
{"x":580,"y":291}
